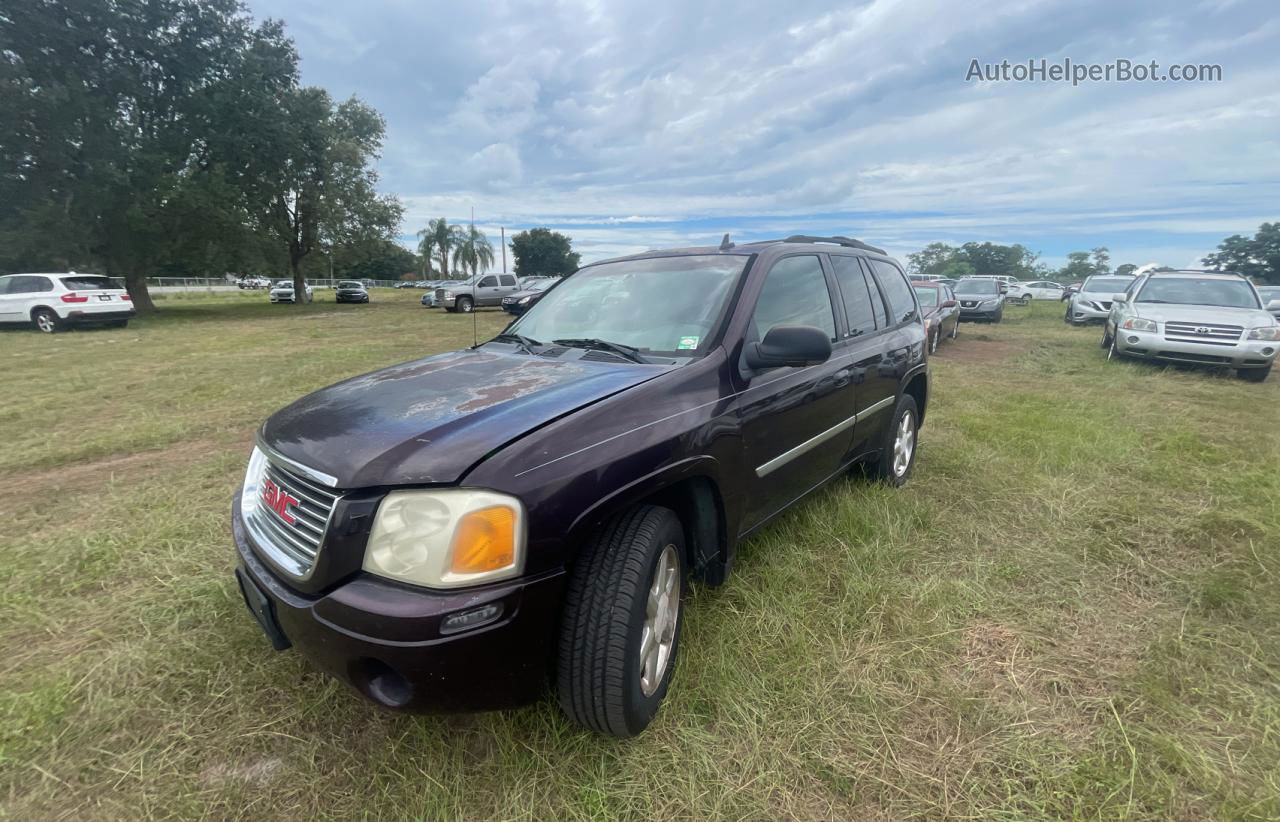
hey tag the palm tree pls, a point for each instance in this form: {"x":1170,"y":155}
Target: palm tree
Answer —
{"x":473,"y":250}
{"x":437,"y":240}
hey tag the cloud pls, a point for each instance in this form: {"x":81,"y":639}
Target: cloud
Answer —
{"x":636,"y":124}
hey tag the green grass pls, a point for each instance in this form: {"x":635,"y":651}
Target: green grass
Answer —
{"x":1070,"y":612}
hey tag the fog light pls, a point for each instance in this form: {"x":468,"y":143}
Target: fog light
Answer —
{"x":1268,"y":351}
{"x":1131,"y":339}
{"x":463,"y":620}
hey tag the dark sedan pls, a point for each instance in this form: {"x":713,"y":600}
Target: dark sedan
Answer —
{"x":351,"y":291}
{"x":941,"y":312}
{"x":523,"y":300}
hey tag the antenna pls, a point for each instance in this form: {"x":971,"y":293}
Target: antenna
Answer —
{"x":475,"y":335}
{"x":725,"y":245}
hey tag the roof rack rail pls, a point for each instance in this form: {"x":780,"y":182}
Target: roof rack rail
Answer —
{"x":844,"y":241}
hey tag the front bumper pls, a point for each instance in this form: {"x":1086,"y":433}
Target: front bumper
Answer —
{"x":385,"y":639}
{"x":354,"y":297}
{"x":980,"y":313}
{"x":1151,"y":345}
{"x":1082,"y":312}
{"x":514,"y":308}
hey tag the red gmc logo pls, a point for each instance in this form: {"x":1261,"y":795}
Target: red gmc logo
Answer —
{"x":278,"y":500}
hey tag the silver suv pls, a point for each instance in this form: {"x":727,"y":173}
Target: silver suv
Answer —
{"x":1093,"y":300}
{"x":1198,"y":317}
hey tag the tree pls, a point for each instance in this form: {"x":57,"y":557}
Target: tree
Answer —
{"x":1126,"y":269}
{"x":473,"y":251}
{"x":125,"y":129}
{"x":931,"y":259}
{"x":1257,"y":257}
{"x":1079,"y":266}
{"x":981,"y":258}
{"x":1101,"y":260}
{"x":324,"y":190}
{"x":955,"y":269}
{"x":439,"y":239}
{"x":541,"y":252}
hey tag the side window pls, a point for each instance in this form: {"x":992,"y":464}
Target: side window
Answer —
{"x":897,"y":293}
{"x":859,"y":299}
{"x":5,"y":282}
{"x":508,"y":279}
{"x":795,"y":293}
{"x":488,"y":282}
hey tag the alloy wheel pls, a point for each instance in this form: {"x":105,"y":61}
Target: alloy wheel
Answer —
{"x":904,"y":444}
{"x":661,"y":614}
{"x":45,"y":323}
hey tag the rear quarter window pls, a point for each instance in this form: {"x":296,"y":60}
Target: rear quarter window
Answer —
{"x":85,"y":282}
{"x":897,"y":291}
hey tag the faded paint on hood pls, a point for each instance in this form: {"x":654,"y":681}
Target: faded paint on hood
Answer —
{"x":430,"y":420}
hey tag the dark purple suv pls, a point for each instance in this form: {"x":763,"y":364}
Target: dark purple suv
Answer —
{"x":456,"y":532}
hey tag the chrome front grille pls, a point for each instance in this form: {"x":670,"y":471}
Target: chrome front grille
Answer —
{"x":290,"y":517}
{"x":1210,"y":333}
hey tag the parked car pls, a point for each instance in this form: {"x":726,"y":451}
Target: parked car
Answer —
{"x":947,"y":281}
{"x":1069,"y":290}
{"x":1092,"y":303}
{"x":405,"y":284}
{"x":52,"y":302}
{"x":924,"y":278}
{"x":282,"y":292}
{"x":1196,"y":317}
{"x":941,"y":311}
{"x":351,"y":291}
{"x":528,"y":296}
{"x":980,"y":299}
{"x":480,"y":290}
{"x":1270,"y":294}
{"x":450,"y":533}
{"x":253,"y":282}
{"x":1042,"y":290}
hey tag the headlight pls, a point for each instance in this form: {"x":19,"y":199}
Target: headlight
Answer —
{"x":447,"y":294}
{"x":990,"y":303}
{"x":251,"y":491}
{"x":1269,"y":332}
{"x":1138,"y":324}
{"x":525,"y":300}
{"x":447,"y":538}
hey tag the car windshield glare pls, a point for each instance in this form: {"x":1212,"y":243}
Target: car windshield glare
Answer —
{"x":977,"y":287}
{"x":1199,"y":291}
{"x":927,"y":296}
{"x":1107,"y":285}
{"x":667,"y":305}
{"x":350,"y":284}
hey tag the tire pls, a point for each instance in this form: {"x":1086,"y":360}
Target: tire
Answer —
{"x":465,"y":305}
{"x":886,"y":468}
{"x":47,"y":321}
{"x":998,"y":316}
{"x":1254,"y":374}
{"x":633,"y":565}
{"x":1107,"y":339}
{"x":955,"y":329}
{"x":1113,"y":353}
{"x":1066,"y":317}
{"x":933,"y":341}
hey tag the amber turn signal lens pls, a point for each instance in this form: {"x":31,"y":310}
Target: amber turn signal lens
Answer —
{"x":485,"y":540}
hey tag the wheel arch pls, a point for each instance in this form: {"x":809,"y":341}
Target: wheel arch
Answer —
{"x":917,"y":387}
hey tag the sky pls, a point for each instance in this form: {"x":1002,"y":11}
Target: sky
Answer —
{"x":634,"y":125}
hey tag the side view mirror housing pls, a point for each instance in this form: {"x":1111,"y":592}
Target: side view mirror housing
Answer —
{"x":949,"y":303}
{"x":1119,"y":298}
{"x":788,"y":345}
{"x":1274,"y":305}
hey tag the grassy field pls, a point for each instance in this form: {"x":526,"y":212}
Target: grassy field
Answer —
{"x":1070,"y":612}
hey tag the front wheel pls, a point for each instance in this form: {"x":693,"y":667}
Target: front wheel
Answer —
{"x":1107,"y":339}
{"x":1254,"y":374}
{"x":933,"y":341}
{"x":622,"y":619}
{"x":998,"y":316}
{"x":465,"y":305}
{"x":955,"y":329}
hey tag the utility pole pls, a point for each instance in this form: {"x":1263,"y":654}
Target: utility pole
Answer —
{"x":503,"y":229}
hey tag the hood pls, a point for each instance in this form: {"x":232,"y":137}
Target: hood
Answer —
{"x":430,"y":420}
{"x":1173,"y":312}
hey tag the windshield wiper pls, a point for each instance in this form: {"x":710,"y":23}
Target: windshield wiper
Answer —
{"x":625,"y":351}
{"x":526,"y":344}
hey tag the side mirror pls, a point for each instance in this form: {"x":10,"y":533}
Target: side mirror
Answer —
{"x":1273,"y":306}
{"x":789,"y":345}
{"x":952,"y":303}
{"x":1119,"y":298}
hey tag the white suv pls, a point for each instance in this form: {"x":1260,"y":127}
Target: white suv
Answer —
{"x":55,"y":301}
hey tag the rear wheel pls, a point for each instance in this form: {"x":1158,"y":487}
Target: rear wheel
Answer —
{"x":622,"y":621}
{"x":46,"y":320}
{"x":1254,"y":374}
{"x":898,"y":450}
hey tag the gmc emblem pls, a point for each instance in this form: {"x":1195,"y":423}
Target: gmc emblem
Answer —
{"x":278,"y":500}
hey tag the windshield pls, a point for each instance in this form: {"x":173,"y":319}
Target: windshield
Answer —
{"x":540,"y":285}
{"x":927,"y":296}
{"x":977,"y":287}
{"x":91,"y":282}
{"x":1196,"y":291}
{"x":284,"y":283}
{"x":666,"y":305}
{"x":350,"y":284}
{"x":1107,"y":285}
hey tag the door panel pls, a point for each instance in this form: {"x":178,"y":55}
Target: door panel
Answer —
{"x":866,"y":347}
{"x":796,"y":422}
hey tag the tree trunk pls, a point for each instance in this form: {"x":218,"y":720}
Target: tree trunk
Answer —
{"x":137,"y":285}
{"x":299,"y":284}
{"x":444,"y":261}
